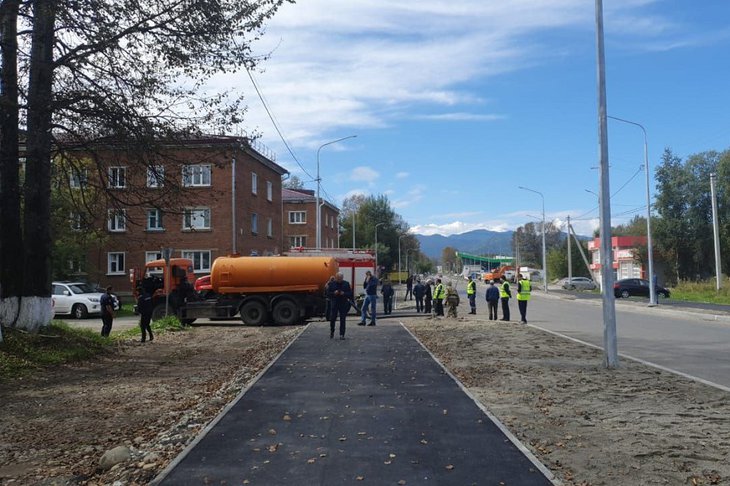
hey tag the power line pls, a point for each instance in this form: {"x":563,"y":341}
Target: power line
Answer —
{"x":612,"y":196}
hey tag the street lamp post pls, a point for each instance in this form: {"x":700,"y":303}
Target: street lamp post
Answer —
{"x":376,"y":246}
{"x":400,"y":280}
{"x":318,"y":236}
{"x":650,"y":251}
{"x":544,"y":258}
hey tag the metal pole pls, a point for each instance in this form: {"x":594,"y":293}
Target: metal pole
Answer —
{"x":400,"y":280}
{"x":318,"y":230}
{"x":610,"y":344}
{"x":376,"y":247}
{"x":353,"y":231}
{"x":570,"y":258}
{"x":650,"y":250}
{"x":716,"y":232}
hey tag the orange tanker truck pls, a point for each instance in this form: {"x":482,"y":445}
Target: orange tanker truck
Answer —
{"x":279,"y":289}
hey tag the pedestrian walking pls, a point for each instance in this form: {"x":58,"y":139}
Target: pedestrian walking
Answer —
{"x":327,"y":300}
{"x":107,"y":312}
{"x":387,"y":291}
{"x":452,"y":300}
{"x":409,"y":288}
{"x":504,"y":294}
{"x":144,"y":307}
{"x":340,"y":293}
{"x":471,"y":294}
{"x":524,"y":286}
{"x":439,"y":293}
{"x":492,"y":300}
{"x":428,"y":297}
{"x":371,"y":298}
{"x":419,"y":290}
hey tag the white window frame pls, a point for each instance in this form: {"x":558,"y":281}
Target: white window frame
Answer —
{"x":148,"y":219}
{"x":77,"y":221}
{"x":254,"y":223}
{"x":115,"y":260}
{"x":117,"y":177}
{"x":78,"y":178}
{"x":190,"y":215}
{"x":297,"y":217}
{"x":150,"y":256}
{"x":198,"y":258}
{"x":155,"y":176}
{"x":117,"y":220}
{"x":254,"y":183}
{"x":269,"y":191}
{"x":270,"y":227}
{"x":297,"y":241}
{"x":197,"y":175}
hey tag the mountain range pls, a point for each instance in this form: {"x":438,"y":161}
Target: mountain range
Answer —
{"x":477,"y":242}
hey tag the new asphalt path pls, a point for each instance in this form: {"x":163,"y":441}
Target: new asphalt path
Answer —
{"x":375,"y":408}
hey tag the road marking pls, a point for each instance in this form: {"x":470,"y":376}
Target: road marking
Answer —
{"x":638,"y":360}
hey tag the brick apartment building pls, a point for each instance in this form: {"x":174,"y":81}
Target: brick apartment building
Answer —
{"x":300,"y":220}
{"x":229,"y":201}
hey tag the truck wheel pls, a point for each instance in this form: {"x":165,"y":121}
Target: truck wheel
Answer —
{"x":286,"y":313}
{"x":79,"y":311}
{"x":159,"y":312}
{"x":253,"y":313}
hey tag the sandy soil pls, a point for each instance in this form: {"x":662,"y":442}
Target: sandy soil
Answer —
{"x":632,"y":426}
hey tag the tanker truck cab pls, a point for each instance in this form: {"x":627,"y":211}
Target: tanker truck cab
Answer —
{"x":169,"y":285}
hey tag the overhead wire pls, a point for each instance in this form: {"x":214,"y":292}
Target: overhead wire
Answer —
{"x":579,"y":217}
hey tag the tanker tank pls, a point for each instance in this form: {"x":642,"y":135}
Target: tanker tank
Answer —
{"x":245,"y":275}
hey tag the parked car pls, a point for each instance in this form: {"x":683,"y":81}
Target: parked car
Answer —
{"x":578,"y":283}
{"x":629,"y":287}
{"x":78,"y":299}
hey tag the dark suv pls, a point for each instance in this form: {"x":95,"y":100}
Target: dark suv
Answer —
{"x":629,"y":287}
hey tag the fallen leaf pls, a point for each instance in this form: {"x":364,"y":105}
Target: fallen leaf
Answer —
{"x":450,"y":467}
{"x":424,"y":441}
{"x":387,"y":462}
{"x":311,"y":461}
{"x":360,"y":478}
{"x":402,"y":482}
{"x":272,"y":431}
{"x":391,"y":455}
{"x":286,"y":418}
{"x":342,"y":439}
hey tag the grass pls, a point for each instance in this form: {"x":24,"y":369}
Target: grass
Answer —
{"x":23,"y":353}
{"x":702,"y":291}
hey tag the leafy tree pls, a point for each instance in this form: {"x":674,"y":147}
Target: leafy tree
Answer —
{"x":557,"y":261}
{"x":294,"y":182}
{"x":119,"y":73}
{"x":527,"y":242}
{"x":449,"y":259}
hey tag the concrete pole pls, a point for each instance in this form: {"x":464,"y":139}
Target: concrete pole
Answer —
{"x":318,"y":230}
{"x":570,"y":258}
{"x":376,"y":247}
{"x":716,"y":232}
{"x":400,"y":280}
{"x":610,"y":341}
{"x":353,"y":231}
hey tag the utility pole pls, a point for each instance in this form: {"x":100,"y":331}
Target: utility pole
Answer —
{"x":716,"y":232}
{"x":570,"y":258}
{"x":610,"y":341}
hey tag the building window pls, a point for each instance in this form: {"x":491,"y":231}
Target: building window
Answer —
{"x":200,"y":259}
{"x":154,"y":220}
{"x":297,"y":217}
{"x":196,"y":219}
{"x":298,"y":241}
{"x":78,"y":178}
{"x":150,"y":256}
{"x":117,"y":220}
{"x":269,"y":191}
{"x":270,"y":228}
{"x":254,"y":223}
{"x":117,"y":177}
{"x":254,"y":183}
{"x":155,"y":176}
{"x":115,"y":263}
{"x":77,"y":221}
{"x":196,"y":176}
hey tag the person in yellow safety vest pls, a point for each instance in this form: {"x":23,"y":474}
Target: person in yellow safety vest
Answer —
{"x":523,"y":296}
{"x":504,"y":294}
{"x":438,"y":297}
{"x":471,"y":294}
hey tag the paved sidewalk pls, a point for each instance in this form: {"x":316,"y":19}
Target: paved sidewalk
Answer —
{"x":372,"y":409}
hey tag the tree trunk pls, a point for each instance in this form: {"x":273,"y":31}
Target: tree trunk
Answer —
{"x":11,"y":242}
{"x":36,"y":308}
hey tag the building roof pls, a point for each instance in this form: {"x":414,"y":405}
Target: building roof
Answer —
{"x":303,"y":196}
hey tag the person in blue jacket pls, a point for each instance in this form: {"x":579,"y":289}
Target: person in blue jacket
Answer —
{"x":371,"y":298}
{"x":492,"y":300}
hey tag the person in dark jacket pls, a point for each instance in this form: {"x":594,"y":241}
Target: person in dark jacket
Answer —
{"x":144,"y":306}
{"x":504,"y":294}
{"x":328,"y":301}
{"x":428,"y":298}
{"x":387,"y":291}
{"x":371,"y":298}
{"x":340,"y":294}
{"x":409,"y":288}
{"x":492,"y":300}
{"x":419,"y":290}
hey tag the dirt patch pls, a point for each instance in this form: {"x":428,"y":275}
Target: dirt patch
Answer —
{"x":152,"y":398}
{"x":589,"y":425}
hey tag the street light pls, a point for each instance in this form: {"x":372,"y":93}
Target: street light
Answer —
{"x":650,"y":252}
{"x":400,"y":279}
{"x":408,"y":252}
{"x":376,"y":246}
{"x":544,"y":259}
{"x":318,"y":236}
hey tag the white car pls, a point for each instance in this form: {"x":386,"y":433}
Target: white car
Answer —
{"x":578,"y":283}
{"x":78,"y":299}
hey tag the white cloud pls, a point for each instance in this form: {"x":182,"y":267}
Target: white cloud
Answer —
{"x":460,"y":116}
{"x":458,"y":227}
{"x":364,"y":174}
{"x":413,"y":196}
{"x":402,"y":175}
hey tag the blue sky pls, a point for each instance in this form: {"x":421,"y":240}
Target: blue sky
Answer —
{"x":457,"y":103}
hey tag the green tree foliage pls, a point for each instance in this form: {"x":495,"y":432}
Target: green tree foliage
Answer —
{"x":527,"y":242}
{"x":294,"y":182}
{"x":449,"y":260}
{"x":557,"y":261}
